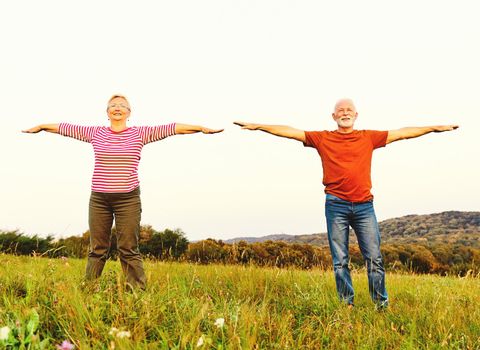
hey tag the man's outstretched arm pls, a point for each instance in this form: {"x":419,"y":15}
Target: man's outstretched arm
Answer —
{"x":411,"y":132}
{"x":277,"y":130}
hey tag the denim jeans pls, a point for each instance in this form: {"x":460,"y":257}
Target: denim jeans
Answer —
{"x":361,"y":217}
{"x":126,"y":209}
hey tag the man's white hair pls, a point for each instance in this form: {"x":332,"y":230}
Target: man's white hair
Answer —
{"x":342,"y":100}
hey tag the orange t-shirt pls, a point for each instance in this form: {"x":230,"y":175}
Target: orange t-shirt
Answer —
{"x":347,"y":160}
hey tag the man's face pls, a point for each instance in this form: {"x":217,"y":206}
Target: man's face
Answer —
{"x":345,"y":114}
{"x":118,"y":109}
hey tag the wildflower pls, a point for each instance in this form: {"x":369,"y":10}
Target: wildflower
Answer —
{"x":123,"y":334}
{"x":200,"y":341}
{"x":4,"y":332}
{"x":65,"y":260}
{"x":115,"y":332}
{"x":219,"y":322}
{"x":66,"y":345}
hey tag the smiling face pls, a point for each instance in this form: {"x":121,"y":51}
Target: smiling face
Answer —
{"x":345,"y":115}
{"x":118,"y":109}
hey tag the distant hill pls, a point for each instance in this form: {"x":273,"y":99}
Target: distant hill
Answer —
{"x":280,"y":237}
{"x":452,"y":227}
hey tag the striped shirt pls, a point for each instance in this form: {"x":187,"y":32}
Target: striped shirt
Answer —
{"x":117,"y":154}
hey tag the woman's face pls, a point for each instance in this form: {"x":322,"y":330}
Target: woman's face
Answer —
{"x":118,"y":109}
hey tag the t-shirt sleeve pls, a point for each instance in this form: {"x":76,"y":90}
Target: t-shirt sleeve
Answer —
{"x":156,"y":133}
{"x":312,"y":138}
{"x":379,"y":138}
{"x":79,"y":132}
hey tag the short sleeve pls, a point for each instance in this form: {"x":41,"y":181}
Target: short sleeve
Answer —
{"x":79,"y":132}
{"x":379,"y":138}
{"x":156,"y":133}
{"x":312,"y":138}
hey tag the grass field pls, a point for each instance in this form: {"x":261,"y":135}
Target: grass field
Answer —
{"x":43,"y":303}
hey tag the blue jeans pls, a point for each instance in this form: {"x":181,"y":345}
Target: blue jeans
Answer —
{"x":361,"y":217}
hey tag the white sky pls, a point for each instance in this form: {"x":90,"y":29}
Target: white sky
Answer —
{"x":212,"y":62}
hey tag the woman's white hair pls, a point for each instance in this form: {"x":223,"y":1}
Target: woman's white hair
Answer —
{"x":117,"y":96}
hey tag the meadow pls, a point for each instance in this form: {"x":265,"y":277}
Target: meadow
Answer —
{"x":45,"y":302}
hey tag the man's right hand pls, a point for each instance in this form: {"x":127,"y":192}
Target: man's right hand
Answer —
{"x":247,"y":126}
{"x":277,"y":130}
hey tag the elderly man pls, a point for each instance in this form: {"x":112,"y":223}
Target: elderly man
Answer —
{"x":346,"y":156}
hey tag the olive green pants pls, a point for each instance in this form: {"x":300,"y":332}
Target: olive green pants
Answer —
{"x":126,"y":209}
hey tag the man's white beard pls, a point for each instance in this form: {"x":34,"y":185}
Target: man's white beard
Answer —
{"x":347,"y":123}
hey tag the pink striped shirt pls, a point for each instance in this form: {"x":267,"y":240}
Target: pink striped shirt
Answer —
{"x":117,"y":154}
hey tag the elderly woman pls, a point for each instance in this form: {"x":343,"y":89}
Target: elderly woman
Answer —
{"x":115,"y":185}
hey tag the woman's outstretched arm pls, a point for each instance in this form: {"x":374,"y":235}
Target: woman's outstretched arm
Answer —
{"x":53,"y":128}
{"x":191,"y":129}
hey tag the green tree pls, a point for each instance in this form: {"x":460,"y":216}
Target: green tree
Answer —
{"x":165,"y":245}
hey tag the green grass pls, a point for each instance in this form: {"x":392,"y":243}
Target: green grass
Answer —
{"x":263,"y":308}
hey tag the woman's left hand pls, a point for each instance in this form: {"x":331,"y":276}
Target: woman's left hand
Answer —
{"x":211,"y":131}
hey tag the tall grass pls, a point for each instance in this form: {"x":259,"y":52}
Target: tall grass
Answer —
{"x":262,"y":308}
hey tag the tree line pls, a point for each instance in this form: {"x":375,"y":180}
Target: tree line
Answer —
{"x":438,"y":258}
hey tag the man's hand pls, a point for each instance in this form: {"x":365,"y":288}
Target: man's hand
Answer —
{"x":277,"y":130}
{"x":247,"y":126}
{"x":411,"y":132}
{"x":442,"y":128}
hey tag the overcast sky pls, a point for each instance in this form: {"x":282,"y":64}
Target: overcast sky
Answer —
{"x":211,"y":62}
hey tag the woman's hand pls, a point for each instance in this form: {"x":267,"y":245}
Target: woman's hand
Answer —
{"x":211,"y":131}
{"x":53,"y":128}
{"x":192,"y":129}
{"x":33,"y":130}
